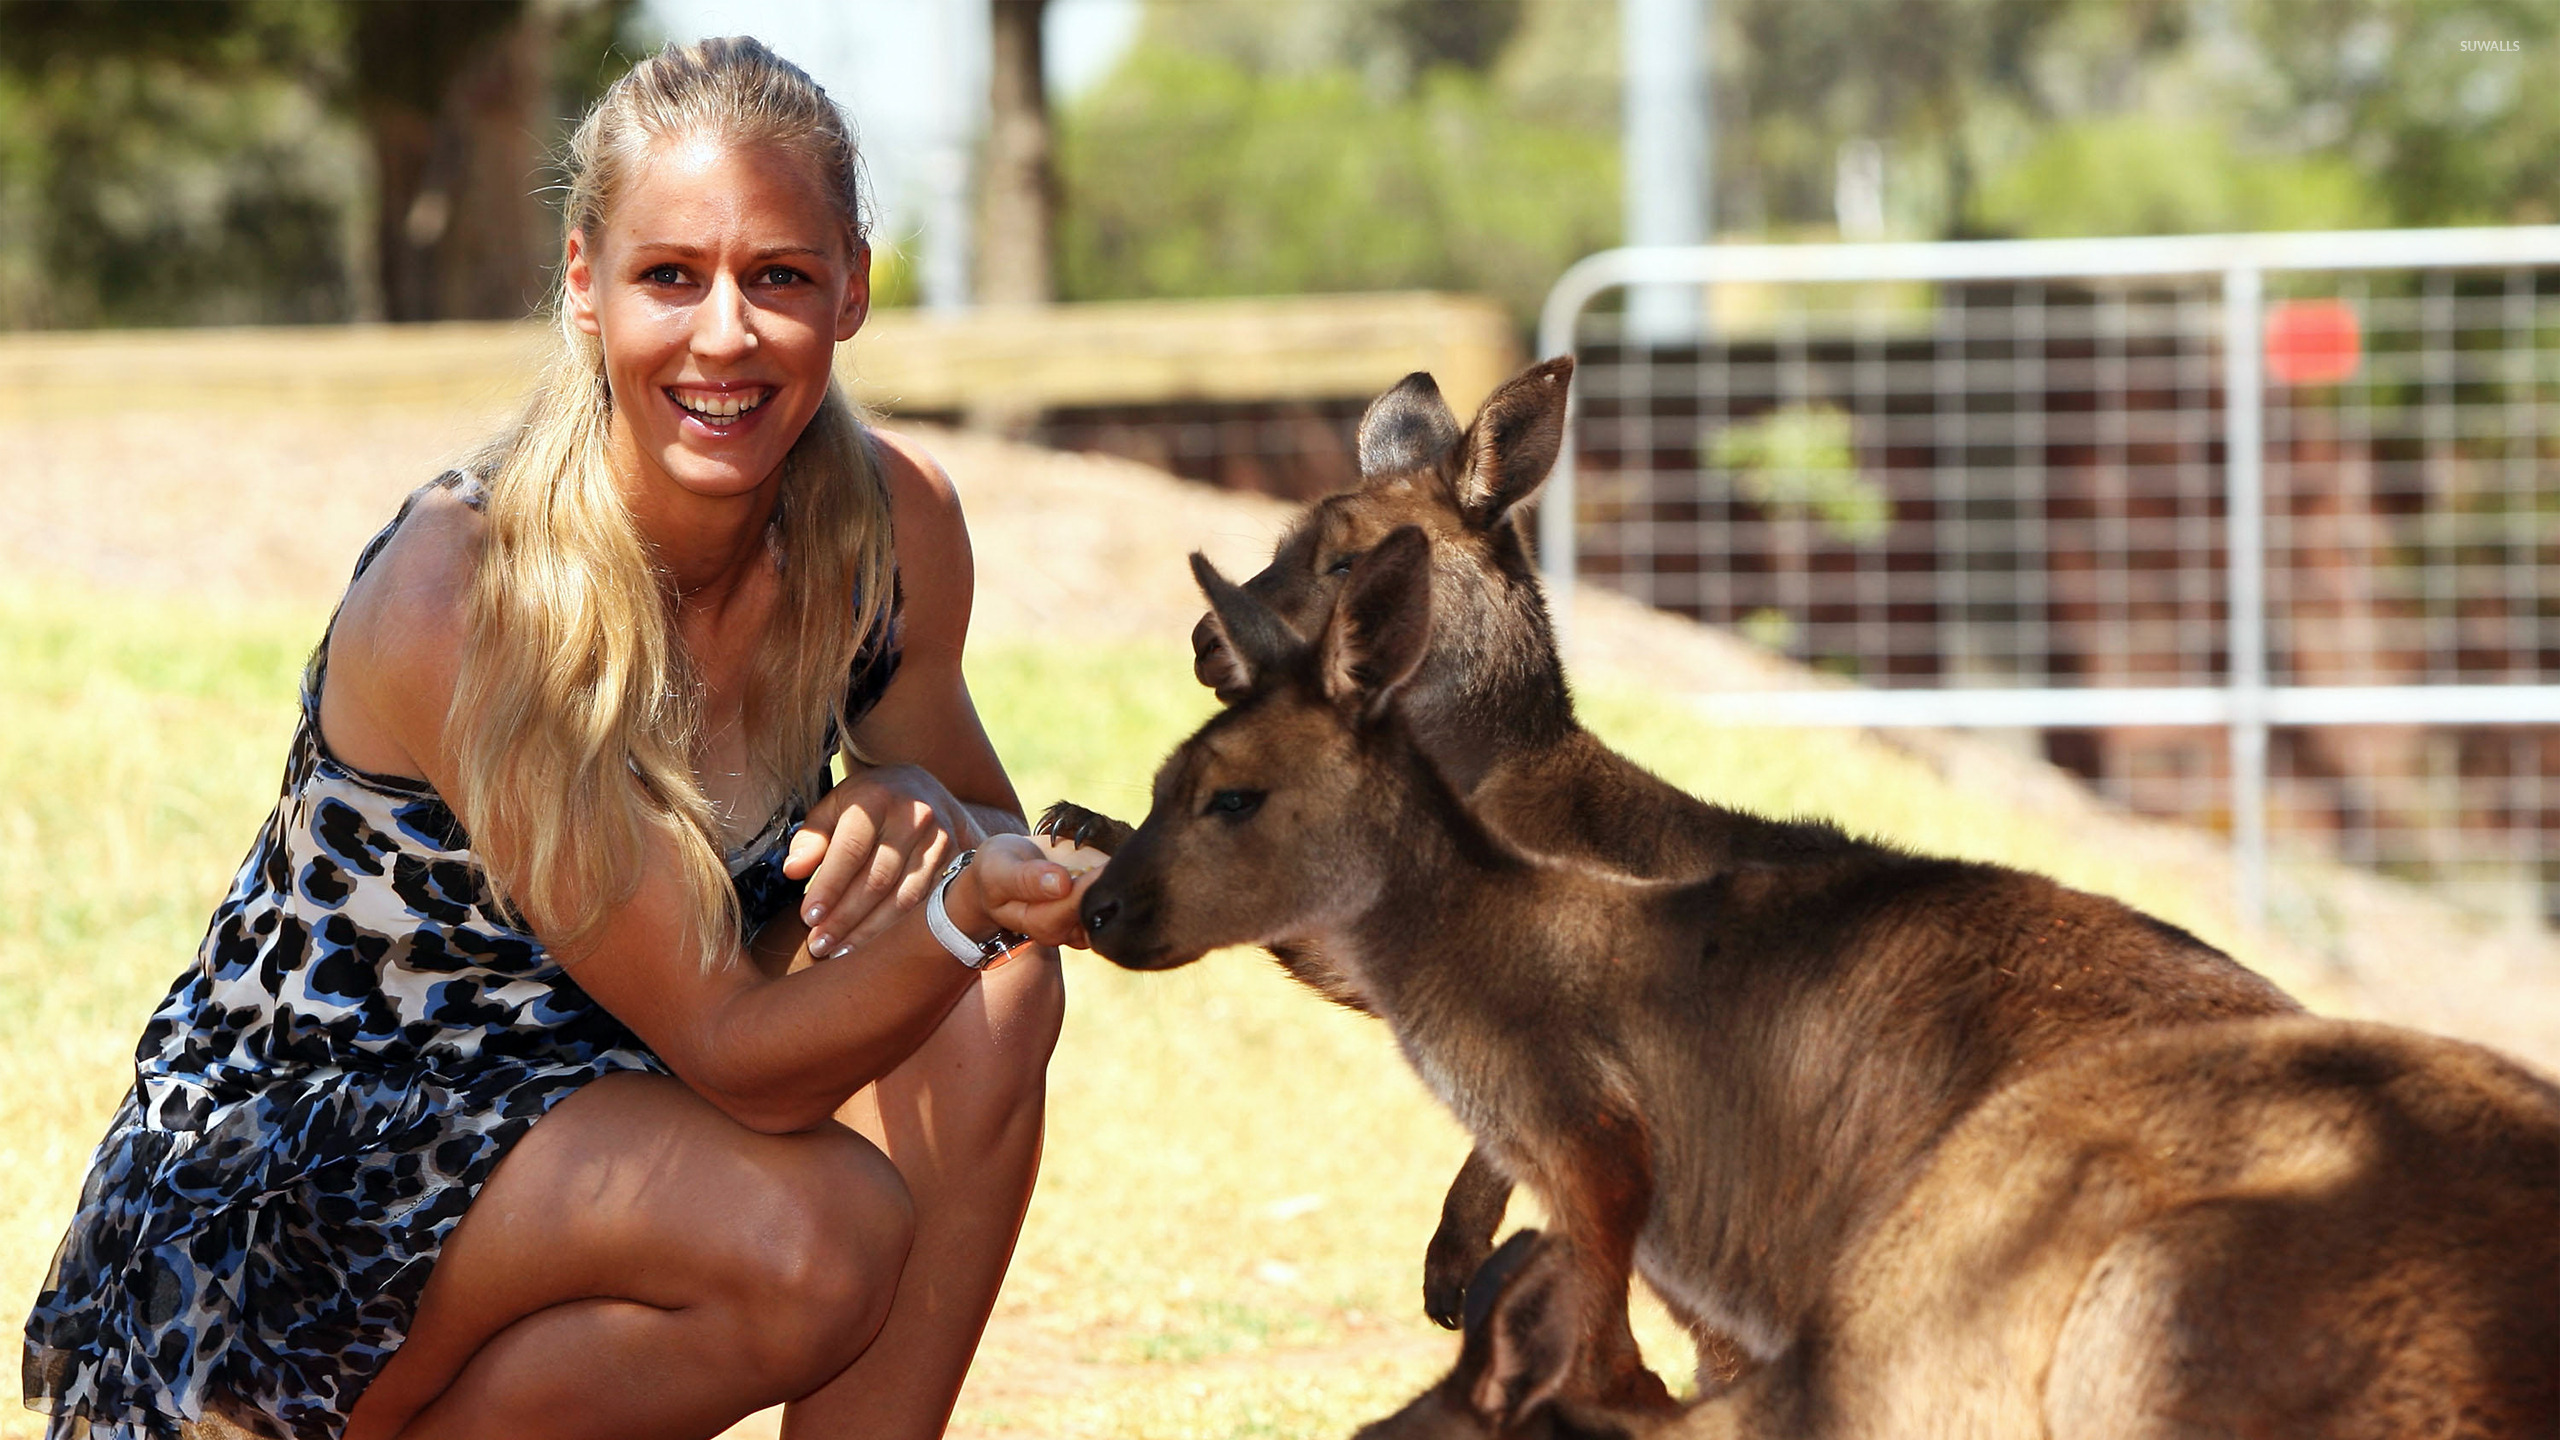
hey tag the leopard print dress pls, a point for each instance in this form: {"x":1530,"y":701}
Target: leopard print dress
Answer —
{"x":363,"y":1036}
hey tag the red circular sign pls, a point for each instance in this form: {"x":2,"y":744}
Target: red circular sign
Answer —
{"x":2313,"y":342}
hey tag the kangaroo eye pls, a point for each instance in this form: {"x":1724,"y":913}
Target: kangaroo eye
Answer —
{"x":1234,"y":804}
{"x":1342,"y":566}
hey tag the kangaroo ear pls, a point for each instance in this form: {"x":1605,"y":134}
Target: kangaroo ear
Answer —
{"x":1381,"y":622}
{"x":1214,"y":664}
{"x":1408,"y":428}
{"x":1520,"y":1345}
{"x":1514,"y":441}
{"x":1256,"y":639}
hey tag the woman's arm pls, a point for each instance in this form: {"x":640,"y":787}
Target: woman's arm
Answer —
{"x":776,"y":1054}
{"x":934,"y":786}
{"x":783,"y":1054}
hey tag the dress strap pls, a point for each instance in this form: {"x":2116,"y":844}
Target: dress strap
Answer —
{"x":466,"y":487}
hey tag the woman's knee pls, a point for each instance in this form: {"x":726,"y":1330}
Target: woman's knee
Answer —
{"x":1000,"y":1047}
{"x":1024,"y":1009}
{"x":824,"y":1242}
{"x":1027,"y":1005}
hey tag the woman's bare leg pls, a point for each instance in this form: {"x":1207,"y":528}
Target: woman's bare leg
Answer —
{"x":961,"y":1119}
{"x":642,"y":1265}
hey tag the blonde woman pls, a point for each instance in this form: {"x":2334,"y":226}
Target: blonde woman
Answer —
{"x":499,"y":1100}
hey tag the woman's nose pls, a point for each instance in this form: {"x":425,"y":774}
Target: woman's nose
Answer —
{"x":723,"y":324}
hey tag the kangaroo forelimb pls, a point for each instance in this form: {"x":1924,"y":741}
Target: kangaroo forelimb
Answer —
{"x":1468,"y":1218}
{"x":1089,"y":828}
{"x":1598,"y":1185}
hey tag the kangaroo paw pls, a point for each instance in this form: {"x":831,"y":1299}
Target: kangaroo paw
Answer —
{"x":1078,"y":826}
{"x":1468,"y":1219}
{"x":1446,"y":1267}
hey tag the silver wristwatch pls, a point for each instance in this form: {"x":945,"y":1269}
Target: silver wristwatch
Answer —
{"x":976,"y":954}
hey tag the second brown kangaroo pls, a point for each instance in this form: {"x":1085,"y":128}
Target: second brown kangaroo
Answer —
{"x":1489,"y":703}
{"x":1857,"y":1086}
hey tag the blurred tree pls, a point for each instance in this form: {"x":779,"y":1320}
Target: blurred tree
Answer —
{"x":2167,"y":177}
{"x":1333,"y":145}
{"x":209,"y":161}
{"x":166,"y":162}
{"x":1018,"y":196}
{"x":1470,"y":34}
{"x":459,"y":100}
{"x":2444,"y":134}
{"x":2059,"y":117}
{"x":1941,"y":85}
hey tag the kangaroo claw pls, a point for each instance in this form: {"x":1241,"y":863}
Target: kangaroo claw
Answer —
{"x":1446,"y":1267}
{"x":1078,"y":826}
{"x":1468,"y":1219}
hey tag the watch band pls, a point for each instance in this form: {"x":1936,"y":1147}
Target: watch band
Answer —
{"x":976,"y":954}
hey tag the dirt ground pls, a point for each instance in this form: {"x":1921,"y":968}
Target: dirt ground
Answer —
{"x":1068,"y":543}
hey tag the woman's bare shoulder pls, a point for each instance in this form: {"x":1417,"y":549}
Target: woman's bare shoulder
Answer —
{"x":397,"y":646}
{"x":916,"y":481}
{"x":934,"y":564}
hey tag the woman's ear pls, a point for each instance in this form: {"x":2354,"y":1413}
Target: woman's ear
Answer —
{"x":578,"y":284}
{"x":857,"y":295}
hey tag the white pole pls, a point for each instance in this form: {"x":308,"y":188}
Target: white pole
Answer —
{"x":960,"y":37}
{"x":1666,"y":152}
{"x":2243,"y":430}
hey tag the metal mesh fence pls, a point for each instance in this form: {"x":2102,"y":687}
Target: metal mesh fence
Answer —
{"x":2023,"y":484}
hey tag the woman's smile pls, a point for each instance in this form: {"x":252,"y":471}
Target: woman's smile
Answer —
{"x":719,"y":411}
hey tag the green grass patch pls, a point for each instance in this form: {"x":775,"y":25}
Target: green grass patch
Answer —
{"x":1228,"y":1235}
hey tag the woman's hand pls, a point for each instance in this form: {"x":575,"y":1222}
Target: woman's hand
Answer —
{"x":870,"y":849}
{"x":1013,"y":885}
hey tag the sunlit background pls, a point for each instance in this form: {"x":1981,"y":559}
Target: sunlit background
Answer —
{"x":267,"y":264}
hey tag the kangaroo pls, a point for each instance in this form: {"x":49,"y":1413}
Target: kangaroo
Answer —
{"x":1489,"y":703}
{"x":1735,"y":1083}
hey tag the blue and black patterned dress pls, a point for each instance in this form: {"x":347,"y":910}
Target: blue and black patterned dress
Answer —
{"x":363,"y":1036}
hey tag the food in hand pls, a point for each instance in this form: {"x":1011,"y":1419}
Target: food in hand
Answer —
{"x":1077,"y":858}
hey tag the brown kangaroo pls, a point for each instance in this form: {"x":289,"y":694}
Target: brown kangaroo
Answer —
{"x":1898,"y":1123}
{"x":1490,"y":705}
{"x":1489,"y":702}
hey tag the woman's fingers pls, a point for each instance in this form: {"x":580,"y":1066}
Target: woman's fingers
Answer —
{"x":902,"y":873}
{"x":808,"y":847}
{"x":1031,"y":895}
{"x":880,"y":858}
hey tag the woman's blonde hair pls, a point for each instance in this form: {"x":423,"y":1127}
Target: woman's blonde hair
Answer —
{"x":576,"y":725}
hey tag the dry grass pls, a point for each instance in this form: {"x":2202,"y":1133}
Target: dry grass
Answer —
{"x":1239,"y":1179}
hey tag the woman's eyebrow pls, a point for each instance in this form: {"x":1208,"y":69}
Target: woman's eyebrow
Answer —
{"x":682,"y":251}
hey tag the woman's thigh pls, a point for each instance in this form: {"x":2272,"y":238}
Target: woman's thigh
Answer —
{"x":635,"y":1188}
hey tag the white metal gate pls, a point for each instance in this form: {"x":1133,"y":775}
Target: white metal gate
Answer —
{"x":2300,"y":488}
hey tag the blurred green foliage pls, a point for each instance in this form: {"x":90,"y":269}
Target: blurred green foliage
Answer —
{"x":171,"y":163}
{"x":202,"y":161}
{"x":1192,"y":175}
{"x":191,"y":162}
{"x":1337,"y":145}
{"x":2167,"y":177}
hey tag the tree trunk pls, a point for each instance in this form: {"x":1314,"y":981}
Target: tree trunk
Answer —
{"x":1019,"y":197}
{"x":454,"y":96}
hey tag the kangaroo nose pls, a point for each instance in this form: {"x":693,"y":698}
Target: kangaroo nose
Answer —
{"x":1097,"y":917}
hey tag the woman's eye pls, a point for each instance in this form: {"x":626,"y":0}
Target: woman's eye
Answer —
{"x":1235,"y":804}
{"x":780,"y":275}
{"x":663,"y":275}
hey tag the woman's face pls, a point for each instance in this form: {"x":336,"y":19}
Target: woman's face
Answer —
{"x":719,"y":288}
